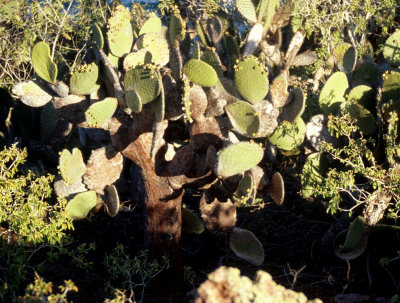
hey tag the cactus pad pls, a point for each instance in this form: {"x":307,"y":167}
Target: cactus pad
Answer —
{"x":42,"y":63}
{"x":345,"y":57}
{"x":72,"y":166}
{"x":247,"y":10}
{"x":332,"y":94}
{"x":145,"y":81}
{"x":238,"y":158}
{"x":81,"y":204}
{"x":152,"y":25}
{"x":157,"y":45}
{"x":391,"y":86}
{"x":112,"y":203}
{"x":391,"y":49}
{"x":363,"y":95}
{"x":289,"y":136}
{"x":120,"y":32}
{"x":191,"y":223}
{"x":31,"y":94}
{"x":243,"y":118}
{"x":366,"y":73}
{"x":276,"y":189}
{"x":84,"y":79}
{"x":176,"y":28}
{"x":313,"y":173}
{"x":362,"y":117}
{"x":196,"y":53}
{"x":200,"y":72}
{"x":245,"y":245}
{"x":134,"y":59}
{"x":251,"y":78}
{"x":355,"y":242}
{"x":98,"y":36}
{"x":99,"y":112}
{"x":211,"y":57}
{"x":278,"y":90}
{"x":246,"y":190}
{"x":296,"y":106}
{"x":48,"y":122}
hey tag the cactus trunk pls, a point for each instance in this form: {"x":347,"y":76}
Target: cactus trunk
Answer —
{"x":163,"y":204}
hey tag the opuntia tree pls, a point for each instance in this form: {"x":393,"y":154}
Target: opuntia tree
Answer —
{"x":143,"y":79}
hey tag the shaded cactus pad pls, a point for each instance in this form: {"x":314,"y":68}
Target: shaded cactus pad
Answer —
{"x":243,"y":118}
{"x":247,"y":9}
{"x":251,"y":78}
{"x":362,"y":116}
{"x":345,"y":57}
{"x":238,"y":158}
{"x":245,"y":245}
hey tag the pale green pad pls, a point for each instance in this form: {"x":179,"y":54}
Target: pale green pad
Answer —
{"x":85,"y":83}
{"x":152,"y":25}
{"x":391,"y":49}
{"x":72,"y":166}
{"x":238,"y":158}
{"x":251,"y":78}
{"x":247,"y":10}
{"x":100,"y":112}
{"x":146,"y":82}
{"x":289,"y":136}
{"x":332,"y":94}
{"x":157,"y":45}
{"x":200,"y":72}
{"x":42,"y":63}
{"x":120,"y":32}
{"x":246,"y":246}
{"x":81,"y":204}
{"x":243,"y":118}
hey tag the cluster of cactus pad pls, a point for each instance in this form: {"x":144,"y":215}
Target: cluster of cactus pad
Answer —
{"x":370,"y":95}
{"x":232,"y":102}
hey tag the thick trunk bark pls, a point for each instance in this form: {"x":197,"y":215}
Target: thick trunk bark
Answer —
{"x":163,"y":205}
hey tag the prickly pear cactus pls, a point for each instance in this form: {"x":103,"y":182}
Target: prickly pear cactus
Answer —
{"x":72,"y":166}
{"x":120,"y":33}
{"x":42,"y":62}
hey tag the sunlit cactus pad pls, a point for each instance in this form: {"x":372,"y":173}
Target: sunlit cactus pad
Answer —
{"x":157,"y":45}
{"x":243,"y":118}
{"x":246,"y":246}
{"x":136,"y":58}
{"x":200,"y":72}
{"x":211,"y":57}
{"x":145,"y":81}
{"x":238,"y":158}
{"x":120,"y":32}
{"x":42,"y":63}
{"x":391,"y":49}
{"x":84,"y":79}
{"x":332,"y":94}
{"x":81,"y":204}
{"x":251,"y":78}
{"x":72,"y":166}
{"x":99,"y":112}
{"x":289,"y":136}
{"x":31,"y":93}
{"x":152,"y":25}
{"x":247,"y":9}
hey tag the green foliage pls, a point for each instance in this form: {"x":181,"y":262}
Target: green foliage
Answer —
{"x":130,"y":273}
{"x":42,"y":291}
{"x":354,"y":160}
{"x":26,"y":205}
